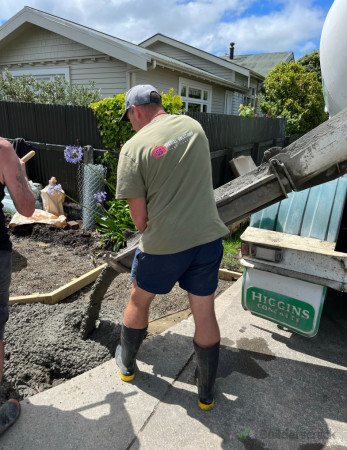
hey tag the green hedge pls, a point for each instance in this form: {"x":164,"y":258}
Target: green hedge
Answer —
{"x":108,"y":111}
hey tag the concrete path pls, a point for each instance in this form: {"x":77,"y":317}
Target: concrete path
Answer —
{"x":275,"y":390}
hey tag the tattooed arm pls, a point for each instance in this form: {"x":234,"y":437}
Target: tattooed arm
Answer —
{"x":13,"y":175}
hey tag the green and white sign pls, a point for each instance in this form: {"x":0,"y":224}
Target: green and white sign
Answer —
{"x":292,"y":303}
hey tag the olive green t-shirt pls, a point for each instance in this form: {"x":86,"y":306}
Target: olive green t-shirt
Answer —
{"x":168,"y":162}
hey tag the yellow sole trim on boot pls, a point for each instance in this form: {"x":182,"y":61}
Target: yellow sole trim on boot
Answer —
{"x":126,"y":377}
{"x":205,"y":407}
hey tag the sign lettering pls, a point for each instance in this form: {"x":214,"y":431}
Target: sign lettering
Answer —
{"x":280,"y":308}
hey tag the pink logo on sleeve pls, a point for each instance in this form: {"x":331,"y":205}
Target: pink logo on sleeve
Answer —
{"x":159,"y":151}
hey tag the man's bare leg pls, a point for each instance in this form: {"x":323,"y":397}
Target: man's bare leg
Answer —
{"x":137,"y":310}
{"x":206,"y":326}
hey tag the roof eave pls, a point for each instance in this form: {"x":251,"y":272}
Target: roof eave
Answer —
{"x":102,"y":44}
{"x":257,"y":75}
{"x":202,"y":76}
{"x":208,"y":56}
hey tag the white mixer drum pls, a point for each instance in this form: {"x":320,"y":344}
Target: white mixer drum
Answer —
{"x":333,"y":57}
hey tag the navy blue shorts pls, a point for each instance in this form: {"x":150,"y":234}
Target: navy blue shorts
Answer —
{"x":195,"y":269}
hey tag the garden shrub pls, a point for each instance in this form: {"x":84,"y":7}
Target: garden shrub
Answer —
{"x":26,"y":88}
{"x":108,"y":111}
{"x":290,"y":92}
{"x":246,"y":110}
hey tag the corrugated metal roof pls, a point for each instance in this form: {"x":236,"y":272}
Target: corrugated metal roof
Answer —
{"x":314,"y":212}
{"x":261,"y":63}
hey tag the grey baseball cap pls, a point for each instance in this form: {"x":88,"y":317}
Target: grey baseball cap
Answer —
{"x":140,"y":95}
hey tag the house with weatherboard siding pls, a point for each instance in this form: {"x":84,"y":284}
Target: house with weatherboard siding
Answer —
{"x":38,"y":43}
{"x":225,"y":101}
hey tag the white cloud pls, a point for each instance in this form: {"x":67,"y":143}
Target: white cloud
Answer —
{"x":289,"y":29}
{"x":293,"y":25}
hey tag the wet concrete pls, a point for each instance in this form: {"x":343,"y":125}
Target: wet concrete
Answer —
{"x":274,"y":390}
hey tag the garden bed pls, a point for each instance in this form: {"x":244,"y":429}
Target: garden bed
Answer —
{"x":43,"y":344}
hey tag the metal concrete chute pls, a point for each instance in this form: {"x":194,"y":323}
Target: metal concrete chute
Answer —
{"x":317,"y":157}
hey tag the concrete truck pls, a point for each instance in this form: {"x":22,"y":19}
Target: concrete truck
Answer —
{"x":295,"y":249}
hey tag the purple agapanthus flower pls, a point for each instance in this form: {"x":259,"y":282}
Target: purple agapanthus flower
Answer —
{"x":54,"y":188}
{"x":100,"y":196}
{"x":73,"y":154}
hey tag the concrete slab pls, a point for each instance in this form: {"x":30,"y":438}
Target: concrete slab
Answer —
{"x":274,"y":390}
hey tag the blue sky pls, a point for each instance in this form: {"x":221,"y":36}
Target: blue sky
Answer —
{"x":256,"y":26}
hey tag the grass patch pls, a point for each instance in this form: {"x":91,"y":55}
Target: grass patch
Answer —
{"x":232,"y":251}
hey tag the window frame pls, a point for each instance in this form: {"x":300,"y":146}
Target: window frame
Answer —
{"x":229,"y":95}
{"x":249,"y":99}
{"x":191,"y":84}
{"x":53,"y":72}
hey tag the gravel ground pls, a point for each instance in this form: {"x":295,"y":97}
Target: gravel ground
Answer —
{"x":43,"y":343}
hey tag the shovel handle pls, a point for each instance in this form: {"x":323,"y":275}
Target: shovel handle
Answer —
{"x":28,"y":156}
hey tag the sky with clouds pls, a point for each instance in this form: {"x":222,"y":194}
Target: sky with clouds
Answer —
{"x":256,"y":26}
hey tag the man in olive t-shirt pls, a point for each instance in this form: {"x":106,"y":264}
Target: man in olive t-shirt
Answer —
{"x":164,"y":172}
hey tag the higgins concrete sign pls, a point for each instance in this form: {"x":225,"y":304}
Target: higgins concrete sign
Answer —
{"x":294,"y":304}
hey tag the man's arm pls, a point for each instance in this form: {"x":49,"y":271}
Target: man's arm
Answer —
{"x":13,"y":175}
{"x":138,"y":212}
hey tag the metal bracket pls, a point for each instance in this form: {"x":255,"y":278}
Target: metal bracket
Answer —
{"x":273,"y":163}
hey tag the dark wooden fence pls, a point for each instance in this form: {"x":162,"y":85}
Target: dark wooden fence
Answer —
{"x":49,"y":128}
{"x":233,"y":136}
{"x":51,"y":124}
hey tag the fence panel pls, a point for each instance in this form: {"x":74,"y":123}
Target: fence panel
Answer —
{"x":224,"y":131}
{"x":51,"y":124}
{"x":4,"y":120}
{"x":64,"y":124}
{"x":61,"y":125}
{"x":221,"y":170}
{"x":81,"y":125}
{"x":22,"y":121}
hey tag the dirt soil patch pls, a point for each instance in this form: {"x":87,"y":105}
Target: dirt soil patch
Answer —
{"x":43,"y":343}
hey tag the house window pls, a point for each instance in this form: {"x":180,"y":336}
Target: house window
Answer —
{"x":253,"y":97}
{"x":228,"y":107}
{"x":250,"y":100}
{"x":196,"y":96}
{"x":44,"y":74}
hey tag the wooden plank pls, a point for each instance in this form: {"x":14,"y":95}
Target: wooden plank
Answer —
{"x":228,"y":275}
{"x":306,"y":259}
{"x":290,"y":241}
{"x":237,"y":225}
{"x":60,"y":294}
{"x":32,"y":298}
{"x":76,"y":285}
